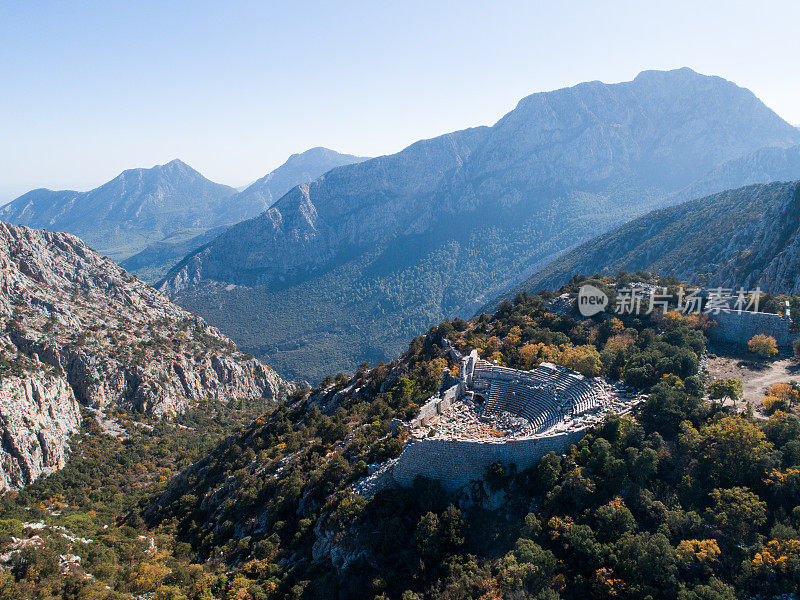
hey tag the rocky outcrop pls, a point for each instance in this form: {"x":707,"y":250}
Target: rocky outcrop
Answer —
{"x":38,"y":413}
{"x":78,"y":329}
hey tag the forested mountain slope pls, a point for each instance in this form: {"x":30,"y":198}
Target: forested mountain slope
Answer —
{"x":740,"y":238}
{"x":372,"y":252}
{"x":763,"y":166}
{"x":682,"y":500}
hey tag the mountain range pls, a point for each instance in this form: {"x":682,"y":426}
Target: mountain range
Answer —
{"x":144,"y":454}
{"x":345,"y":268}
{"x":137,"y":207}
{"x":148,"y":219}
{"x":736,"y":239}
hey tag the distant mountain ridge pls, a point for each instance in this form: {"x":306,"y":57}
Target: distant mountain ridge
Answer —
{"x":149,"y":218}
{"x":379,"y":250}
{"x":746,"y":237}
{"x":298,"y":168}
{"x":135,"y":208}
{"x":763,"y":166}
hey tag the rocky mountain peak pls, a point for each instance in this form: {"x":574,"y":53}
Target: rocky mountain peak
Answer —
{"x":122,"y":216}
{"x":298,"y":169}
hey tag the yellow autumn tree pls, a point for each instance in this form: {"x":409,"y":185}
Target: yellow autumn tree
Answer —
{"x":512,"y":339}
{"x":763,"y":345}
{"x":149,"y":576}
{"x":583,"y":359}
{"x":615,"y":326}
{"x":778,"y":557}
{"x":700,"y":555}
{"x":619,"y":342}
{"x":732,"y":450}
{"x":606,"y":585}
{"x":737,"y":512}
{"x":773,"y":403}
{"x":785,"y":391}
{"x":530,"y":355}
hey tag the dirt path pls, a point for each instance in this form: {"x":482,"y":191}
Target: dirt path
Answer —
{"x":756,"y":376}
{"x":779,"y":371}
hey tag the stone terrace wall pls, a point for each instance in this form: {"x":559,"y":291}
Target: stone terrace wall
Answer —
{"x":738,"y":328}
{"x":457,"y":462}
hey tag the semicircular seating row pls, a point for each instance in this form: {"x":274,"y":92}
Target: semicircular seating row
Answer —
{"x":543,"y":396}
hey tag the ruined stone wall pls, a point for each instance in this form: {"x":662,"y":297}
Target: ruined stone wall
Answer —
{"x":435,"y":406}
{"x":457,"y":462}
{"x":426,"y":412}
{"x":738,"y":328}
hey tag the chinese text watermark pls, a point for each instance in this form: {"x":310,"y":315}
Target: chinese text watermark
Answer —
{"x":651,"y":299}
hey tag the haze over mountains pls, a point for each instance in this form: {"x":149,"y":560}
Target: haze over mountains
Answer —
{"x":298,"y":168}
{"x":153,"y":217}
{"x":135,"y":208}
{"x":346,"y":268}
{"x":739,"y":238}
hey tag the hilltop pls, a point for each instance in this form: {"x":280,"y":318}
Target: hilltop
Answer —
{"x":643,"y":504}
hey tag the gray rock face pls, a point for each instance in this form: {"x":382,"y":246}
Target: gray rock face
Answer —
{"x":358,"y":205}
{"x":38,"y":413}
{"x":391,"y":245}
{"x":79,"y":329}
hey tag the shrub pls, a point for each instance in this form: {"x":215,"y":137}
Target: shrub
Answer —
{"x":763,"y":345}
{"x":774,"y":403}
{"x":788,"y":392}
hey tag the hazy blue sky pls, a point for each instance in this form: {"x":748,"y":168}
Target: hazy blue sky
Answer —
{"x":233,"y":88}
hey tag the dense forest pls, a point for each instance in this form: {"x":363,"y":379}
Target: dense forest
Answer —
{"x":685,"y":499}
{"x":704,"y":242}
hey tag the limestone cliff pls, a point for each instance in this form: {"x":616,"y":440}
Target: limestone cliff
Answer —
{"x":78,"y":329}
{"x":38,"y":412}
